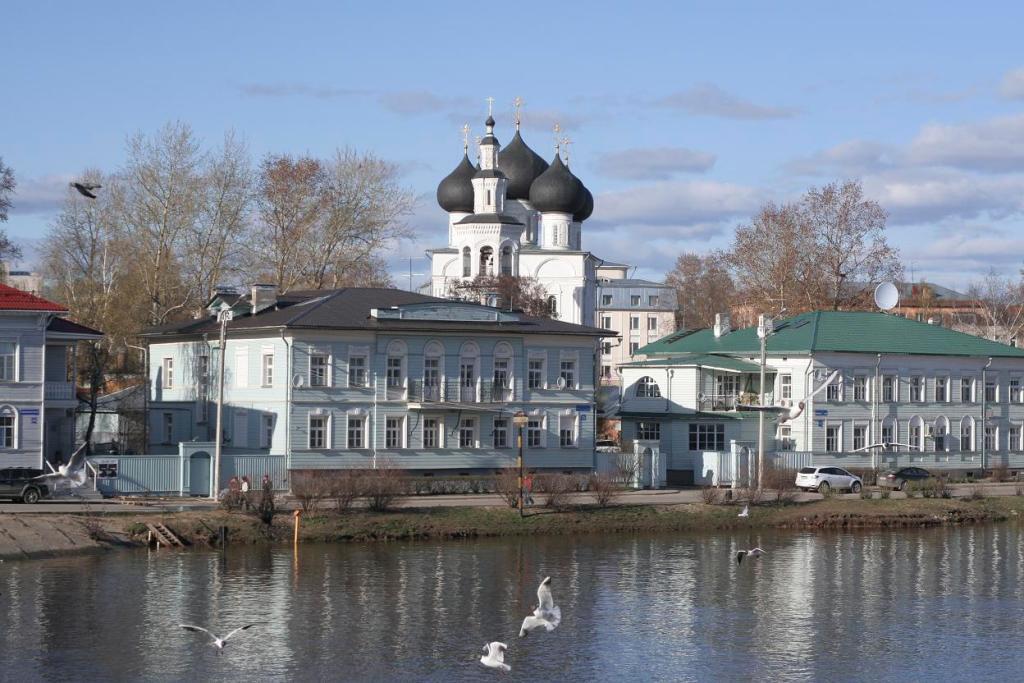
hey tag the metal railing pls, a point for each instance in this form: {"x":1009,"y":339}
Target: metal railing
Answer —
{"x":455,"y":391}
{"x":59,"y":390}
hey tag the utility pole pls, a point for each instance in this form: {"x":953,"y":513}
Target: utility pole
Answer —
{"x":764,"y":328}
{"x":223,"y":317}
{"x":984,"y":414}
{"x":520,"y":420}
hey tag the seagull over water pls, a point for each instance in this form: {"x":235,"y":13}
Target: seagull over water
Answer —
{"x":495,"y":657}
{"x":753,"y":552}
{"x":218,"y":642}
{"x":71,"y":474}
{"x":546,"y":615}
{"x":746,"y":511}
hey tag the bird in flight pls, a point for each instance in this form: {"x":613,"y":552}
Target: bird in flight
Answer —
{"x":218,"y":642}
{"x":86,"y":189}
{"x":746,"y":511}
{"x":495,"y":657}
{"x":753,"y":552}
{"x":72,"y":473}
{"x":546,"y":615}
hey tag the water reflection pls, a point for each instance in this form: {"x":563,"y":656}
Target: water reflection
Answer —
{"x":873,"y":606}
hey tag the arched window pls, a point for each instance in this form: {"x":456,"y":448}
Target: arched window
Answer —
{"x":486,"y":261}
{"x":646,"y":387}
{"x":940,"y":433}
{"x":506,"y":260}
{"x":467,"y":262}
{"x":501,"y":385}
{"x":433,"y":371}
{"x":553,"y":306}
{"x":915,"y":435}
{"x":967,"y":434}
{"x":395,"y":370}
{"x":469,"y":359}
{"x":8,"y":427}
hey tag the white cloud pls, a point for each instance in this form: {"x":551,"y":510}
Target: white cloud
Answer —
{"x":918,"y":196}
{"x":675,"y":203}
{"x":298,"y":90}
{"x":42,"y":195}
{"x":995,"y":145}
{"x":656,"y":163}
{"x":707,"y":99}
{"x":1012,"y":87}
{"x":414,"y":102}
{"x":854,"y":157}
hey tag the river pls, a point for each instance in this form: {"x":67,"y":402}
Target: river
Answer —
{"x":897,"y":606}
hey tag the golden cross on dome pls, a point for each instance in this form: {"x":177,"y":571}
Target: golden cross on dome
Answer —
{"x":558,"y":142}
{"x":517,"y":104}
{"x":565,"y":142}
{"x":490,"y":106}
{"x":465,"y":137}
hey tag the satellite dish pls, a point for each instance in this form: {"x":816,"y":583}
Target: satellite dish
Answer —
{"x":560,"y":382}
{"x":887,"y":297}
{"x":298,"y":380}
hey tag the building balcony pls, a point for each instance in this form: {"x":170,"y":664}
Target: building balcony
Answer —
{"x":454,"y":391}
{"x":59,"y":391}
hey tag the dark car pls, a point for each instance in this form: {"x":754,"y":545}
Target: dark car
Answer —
{"x":19,"y":483}
{"x":898,"y":479}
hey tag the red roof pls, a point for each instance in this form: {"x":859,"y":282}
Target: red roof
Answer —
{"x":12,"y":299}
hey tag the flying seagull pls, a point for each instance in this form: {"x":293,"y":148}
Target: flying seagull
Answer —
{"x":746,"y":511}
{"x":86,"y":188}
{"x":753,"y":552}
{"x":884,"y":445}
{"x":218,"y":642}
{"x":546,"y":615}
{"x":71,"y":473}
{"x":787,"y":413}
{"x":495,"y":657}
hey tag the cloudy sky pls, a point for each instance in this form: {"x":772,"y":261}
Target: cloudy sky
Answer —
{"x":684,"y":116}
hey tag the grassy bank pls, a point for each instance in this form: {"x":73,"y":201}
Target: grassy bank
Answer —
{"x":455,"y":523}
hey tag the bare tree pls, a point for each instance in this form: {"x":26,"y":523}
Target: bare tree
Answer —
{"x":510,"y":292}
{"x":999,"y":305}
{"x":7,"y":185}
{"x":703,"y":288}
{"x":849,"y":246}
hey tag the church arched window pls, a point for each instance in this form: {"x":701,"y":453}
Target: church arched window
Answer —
{"x":486,"y":261}
{"x":553,"y":306}
{"x":467,"y":262}
{"x":646,"y":387}
{"x":506,"y":260}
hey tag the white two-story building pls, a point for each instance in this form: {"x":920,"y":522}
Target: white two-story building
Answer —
{"x":358,"y":378}
{"x":37,"y":379}
{"x":941,"y":399}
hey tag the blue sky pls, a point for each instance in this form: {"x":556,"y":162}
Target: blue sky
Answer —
{"x":684,"y":116}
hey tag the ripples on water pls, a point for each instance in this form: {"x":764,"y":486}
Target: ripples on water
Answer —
{"x":906,"y":606}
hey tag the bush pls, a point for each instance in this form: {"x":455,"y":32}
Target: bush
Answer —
{"x":604,"y":488}
{"x":977,"y":493}
{"x":866,"y":493}
{"x":267,"y":508}
{"x":625,"y":469}
{"x":232,"y":500}
{"x":310,"y":487}
{"x":381,"y":487}
{"x":345,"y":488}
{"x":884,"y":493}
{"x":1019,"y":491}
{"x":507,"y":486}
{"x":556,"y":489}
{"x":940,"y":488}
{"x":710,"y":495}
{"x":779,"y":478}
{"x":1000,"y":473}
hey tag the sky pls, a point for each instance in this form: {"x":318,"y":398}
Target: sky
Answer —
{"x":684,"y":117}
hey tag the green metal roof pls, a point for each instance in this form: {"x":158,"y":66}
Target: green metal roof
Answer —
{"x":704,"y":360}
{"x":837,"y":331}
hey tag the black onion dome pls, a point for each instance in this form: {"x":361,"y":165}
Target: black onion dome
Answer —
{"x":556,"y":189}
{"x":522,"y":166}
{"x":455,"y":192}
{"x":586,"y":208}
{"x":489,"y":121}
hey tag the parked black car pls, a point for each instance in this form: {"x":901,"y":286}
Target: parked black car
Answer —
{"x":897,"y":479}
{"x":19,"y":483}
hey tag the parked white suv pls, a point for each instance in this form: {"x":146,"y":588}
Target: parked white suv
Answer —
{"x":822,"y":479}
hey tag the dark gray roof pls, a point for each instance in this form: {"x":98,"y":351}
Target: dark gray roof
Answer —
{"x":557,"y":190}
{"x":490,"y":218}
{"x":64,"y":326}
{"x":587,"y":208}
{"x":522,"y":166}
{"x":455,"y":192}
{"x":349,"y":309}
{"x":489,"y":140}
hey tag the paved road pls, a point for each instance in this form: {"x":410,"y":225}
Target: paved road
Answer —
{"x":659,"y":497}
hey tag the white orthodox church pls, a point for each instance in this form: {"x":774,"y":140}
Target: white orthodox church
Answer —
{"x":515,"y":214}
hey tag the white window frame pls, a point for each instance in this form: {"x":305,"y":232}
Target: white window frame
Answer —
{"x":706,"y":436}
{"x":536,"y":431}
{"x":994,"y":383}
{"x":10,"y":412}
{"x":267,"y":369}
{"x":971,"y":437}
{"x":267,"y":424}
{"x":1013,"y":442}
{"x":915,"y":440}
{"x":532,"y":373}
{"x":573,"y":430}
{"x":837,"y":447}
{"x":653,"y":300}
{"x":992,"y":445}
{"x":470,"y":426}
{"x":862,"y":427}
{"x":648,"y":430}
{"x":942,"y":397}
{"x":784,"y":436}
{"x":9,"y":360}
{"x":326,"y":368}
{"x":834,"y":391}
{"x":326,"y":435}
{"x":241,"y":369}
{"x":633,"y":348}
{"x":785,"y":386}
{"x":972,"y":389}
{"x":360,"y":419}
{"x":606,"y":322}
{"x":894,"y":394}
{"x":394,"y":432}
{"x":918,"y":384}
{"x":573,"y":372}
{"x":860,"y":388}
{"x":363,"y":356}
{"x":1015,"y":392}
{"x":634,"y":323}
{"x":438,"y":432}
{"x":505,"y":429}
{"x":167,"y":427}
{"x":634,"y":299}
{"x":606,"y":299}
{"x":167,"y":380}
{"x":647,"y":387}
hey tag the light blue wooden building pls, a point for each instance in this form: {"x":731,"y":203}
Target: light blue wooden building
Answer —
{"x":362,"y":378}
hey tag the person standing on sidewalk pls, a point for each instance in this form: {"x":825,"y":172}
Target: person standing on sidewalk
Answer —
{"x":528,"y":489}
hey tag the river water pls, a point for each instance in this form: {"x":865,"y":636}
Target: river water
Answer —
{"x":899,"y":606}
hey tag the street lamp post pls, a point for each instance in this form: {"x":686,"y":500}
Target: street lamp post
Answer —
{"x":223,"y":317}
{"x":764,"y":328}
{"x":984,"y":415}
{"x":520,"y":420}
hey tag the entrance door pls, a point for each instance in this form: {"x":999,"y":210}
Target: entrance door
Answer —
{"x":199,"y":474}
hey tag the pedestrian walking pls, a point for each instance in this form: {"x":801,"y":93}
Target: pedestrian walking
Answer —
{"x":245,"y":492}
{"x":528,"y":489}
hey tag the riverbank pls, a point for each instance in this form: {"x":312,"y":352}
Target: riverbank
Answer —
{"x":26,"y":535}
